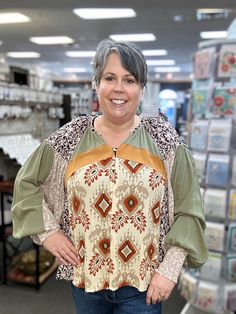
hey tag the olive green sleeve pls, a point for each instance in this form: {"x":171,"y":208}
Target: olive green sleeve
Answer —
{"x":27,"y":215}
{"x":187,"y":231}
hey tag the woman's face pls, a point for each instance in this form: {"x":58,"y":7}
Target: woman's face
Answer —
{"x":119,"y":93}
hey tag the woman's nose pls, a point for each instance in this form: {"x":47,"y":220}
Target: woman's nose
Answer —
{"x":119,"y":86}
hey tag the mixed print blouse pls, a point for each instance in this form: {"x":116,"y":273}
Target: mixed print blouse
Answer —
{"x":129,"y":211}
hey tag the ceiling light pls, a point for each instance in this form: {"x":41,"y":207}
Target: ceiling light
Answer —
{"x":75,"y":70}
{"x":212,"y":14}
{"x":23,"y":54}
{"x":213,"y":34}
{"x":77,"y":54}
{"x":51,"y":40}
{"x":155,"y":52}
{"x":104,"y":13}
{"x":133,"y":37}
{"x":160,"y":62}
{"x":167,"y":69}
{"x":13,"y":17}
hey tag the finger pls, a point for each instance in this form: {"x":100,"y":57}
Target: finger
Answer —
{"x":61,"y":260}
{"x":71,"y":257}
{"x":149,"y":295}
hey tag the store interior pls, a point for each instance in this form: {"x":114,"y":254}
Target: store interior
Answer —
{"x":46,"y":81}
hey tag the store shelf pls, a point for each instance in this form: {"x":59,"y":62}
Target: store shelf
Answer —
{"x":19,"y":276}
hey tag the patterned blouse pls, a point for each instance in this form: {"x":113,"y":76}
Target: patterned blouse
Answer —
{"x":129,"y":211}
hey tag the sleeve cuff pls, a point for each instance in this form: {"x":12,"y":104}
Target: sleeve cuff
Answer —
{"x":41,"y":237}
{"x":172,"y":263}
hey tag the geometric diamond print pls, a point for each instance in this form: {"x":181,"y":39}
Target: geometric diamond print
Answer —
{"x":104,"y":246}
{"x":103,"y":205}
{"x":126,"y":251}
{"x":131,"y":203}
{"x":156,"y":212}
{"x":133,"y":166}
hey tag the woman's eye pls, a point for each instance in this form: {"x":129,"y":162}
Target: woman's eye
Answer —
{"x":130,"y":81}
{"x":108,"y":78}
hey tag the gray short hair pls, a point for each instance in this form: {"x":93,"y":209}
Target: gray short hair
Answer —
{"x":130,"y":55}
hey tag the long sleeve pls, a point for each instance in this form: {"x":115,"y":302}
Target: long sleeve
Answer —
{"x":28,"y":196}
{"x":187,"y":231}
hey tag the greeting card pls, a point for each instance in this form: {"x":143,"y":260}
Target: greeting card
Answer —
{"x":215,"y":234}
{"x":203,"y":63}
{"x":215,"y":202}
{"x":224,"y":101}
{"x":199,"y":133}
{"x":232,"y":205}
{"x":227,"y":61}
{"x":207,"y":295}
{"x":231,"y":267}
{"x":200,"y":161}
{"x":200,"y":101}
{"x":188,"y":286}
{"x":217,"y":173}
{"x":211,"y":270}
{"x":230,"y":297}
{"x":233,"y":179}
{"x":231,"y":237}
{"x":219,"y":135}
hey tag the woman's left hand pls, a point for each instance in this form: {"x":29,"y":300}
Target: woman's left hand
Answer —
{"x":159,"y":289}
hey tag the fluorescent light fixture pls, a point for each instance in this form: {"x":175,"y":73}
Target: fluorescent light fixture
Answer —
{"x":133,"y":37}
{"x":52,"y":40}
{"x":160,"y":62}
{"x":212,"y":11}
{"x":79,"y":54}
{"x":213,"y":34}
{"x":13,"y":17}
{"x":155,"y":52}
{"x":167,"y":69}
{"x":94,"y":13}
{"x":75,"y":70}
{"x":23,"y":54}
{"x":0,"y":43}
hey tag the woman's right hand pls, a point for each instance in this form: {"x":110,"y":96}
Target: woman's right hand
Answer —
{"x":62,"y":248}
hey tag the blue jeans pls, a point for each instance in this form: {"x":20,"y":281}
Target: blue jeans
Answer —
{"x":126,"y":300}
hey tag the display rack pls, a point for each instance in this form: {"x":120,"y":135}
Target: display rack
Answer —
{"x":212,"y":139}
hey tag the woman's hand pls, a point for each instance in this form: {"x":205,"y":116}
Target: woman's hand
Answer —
{"x":62,"y":248}
{"x":159,"y":289}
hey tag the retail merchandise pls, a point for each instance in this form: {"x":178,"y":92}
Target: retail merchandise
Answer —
{"x":213,"y":143}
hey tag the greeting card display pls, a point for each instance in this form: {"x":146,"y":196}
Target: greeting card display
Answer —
{"x":215,"y":202}
{"x":200,"y":101}
{"x":207,"y":295}
{"x":215,"y":234}
{"x":231,"y":267}
{"x":224,"y":101}
{"x":217,"y":173}
{"x":231,"y":237}
{"x":203,"y":63}
{"x":219,"y":135}
{"x":199,"y":134}
{"x":227,"y":61}
{"x":211,"y":270}
{"x":232,"y":205}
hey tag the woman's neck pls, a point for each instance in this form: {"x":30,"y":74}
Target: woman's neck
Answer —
{"x":117,"y":126}
{"x":115,"y":134}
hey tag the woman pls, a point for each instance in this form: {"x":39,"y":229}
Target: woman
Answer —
{"x":115,"y":197}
